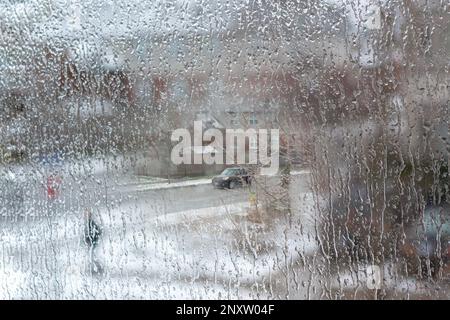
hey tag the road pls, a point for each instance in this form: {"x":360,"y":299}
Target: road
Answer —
{"x":186,"y":241}
{"x":192,"y":241}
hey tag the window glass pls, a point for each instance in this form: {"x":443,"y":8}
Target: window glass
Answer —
{"x":122,"y":124}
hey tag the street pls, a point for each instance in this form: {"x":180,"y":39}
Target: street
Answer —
{"x":175,"y":240}
{"x":185,"y":241}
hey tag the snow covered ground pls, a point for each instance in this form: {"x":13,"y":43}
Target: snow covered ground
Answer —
{"x":192,"y":241}
{"x":210,"y":252}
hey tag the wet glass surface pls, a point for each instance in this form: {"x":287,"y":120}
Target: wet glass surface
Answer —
{"x":98,"y":201}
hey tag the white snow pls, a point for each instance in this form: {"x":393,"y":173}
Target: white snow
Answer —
{"x":177,"y":184}
{"x":203,"y":213}
{"x":299,"y":172}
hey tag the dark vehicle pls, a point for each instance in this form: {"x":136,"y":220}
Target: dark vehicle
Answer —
{"x":418,"y":237}
{"x":427,"y":246}
{"x":232,"y":178}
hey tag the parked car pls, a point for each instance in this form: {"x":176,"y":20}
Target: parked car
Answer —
{"x":376,"y":224}
{"x":427,"y":244}
{"x":232,"y":178}
{"x":356,"y":224}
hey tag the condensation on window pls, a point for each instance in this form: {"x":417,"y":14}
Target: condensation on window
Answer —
{"x":192,"y":149}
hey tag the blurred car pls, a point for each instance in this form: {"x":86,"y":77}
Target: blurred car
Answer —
{"x":427,"y":244}
{"x":356,"y":223}
{"x":368,"y":224}
{"x":232,"y":178}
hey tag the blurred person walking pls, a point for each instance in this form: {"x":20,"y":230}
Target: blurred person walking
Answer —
{"x":92,"y":233}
